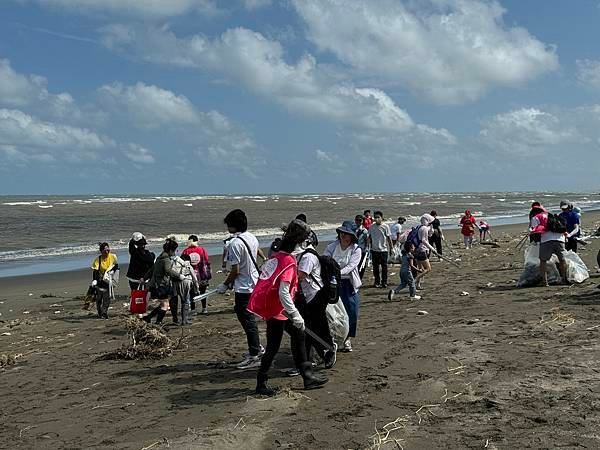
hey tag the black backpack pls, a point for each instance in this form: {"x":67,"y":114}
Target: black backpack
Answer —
{"x":556,"y":224}
{"x":330,"y":276}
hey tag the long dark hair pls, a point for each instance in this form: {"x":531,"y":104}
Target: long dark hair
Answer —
{"x":296,"y":233}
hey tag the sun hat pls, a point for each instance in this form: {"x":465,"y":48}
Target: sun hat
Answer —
{"x":139,"y":238}
{"x":564,"y":204}
{"x":348,"y":227}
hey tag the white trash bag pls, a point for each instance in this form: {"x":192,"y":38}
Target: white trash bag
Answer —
{"x":339,"y":325}
{"x":531,"y":268}
{"x":396,"y":256}
{"x":577,"y":271}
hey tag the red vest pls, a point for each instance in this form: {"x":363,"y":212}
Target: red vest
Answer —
{"x":264,"y":301}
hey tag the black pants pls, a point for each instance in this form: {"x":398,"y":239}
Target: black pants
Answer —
{"x":275,"y":329}
{"x":248,"y":322}
{"x":315,"y":319}
{"x":380,"y":262}
{"x":571,"y":244}
{"x":436,"y":241}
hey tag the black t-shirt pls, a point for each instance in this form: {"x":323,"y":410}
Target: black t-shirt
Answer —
{"x":436,"y":224}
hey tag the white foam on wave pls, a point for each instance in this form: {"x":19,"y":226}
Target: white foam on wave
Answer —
{"x":33,"y":203}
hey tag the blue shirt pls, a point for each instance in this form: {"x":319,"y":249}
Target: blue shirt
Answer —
{"x":406,"y":257}
{"x":571,"y":218}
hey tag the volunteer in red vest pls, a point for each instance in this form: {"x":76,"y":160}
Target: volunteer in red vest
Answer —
{"x":551,"y":243}
{"x":272,"y":300}
{"x":201,"y":265}
{"x":467,"y":228}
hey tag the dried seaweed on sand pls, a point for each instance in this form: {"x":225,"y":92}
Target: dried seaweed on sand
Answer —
{"x":8,"y":360}
{"x":146,"y":341}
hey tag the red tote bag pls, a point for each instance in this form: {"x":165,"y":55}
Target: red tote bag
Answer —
{"x":139,"y":300}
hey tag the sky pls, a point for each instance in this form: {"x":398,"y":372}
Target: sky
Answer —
{"x":260,"y":96}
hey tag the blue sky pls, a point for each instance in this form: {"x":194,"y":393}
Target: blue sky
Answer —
{"x":207,"y":96}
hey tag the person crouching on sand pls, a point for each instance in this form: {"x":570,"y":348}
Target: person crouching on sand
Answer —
{"x":160,"y":284}
{"x":272,"y":300}
{"x":105,"y":268}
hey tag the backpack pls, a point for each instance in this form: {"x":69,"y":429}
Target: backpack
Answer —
{"x":330,"y":275}
{"x":413,"y":236}
{"x":556,"y":224}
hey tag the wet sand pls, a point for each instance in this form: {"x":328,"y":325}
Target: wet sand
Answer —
{"x":502,"y":367}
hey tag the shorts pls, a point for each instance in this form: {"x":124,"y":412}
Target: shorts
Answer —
{"x":549,"y":248}
{"x":421,"y":255}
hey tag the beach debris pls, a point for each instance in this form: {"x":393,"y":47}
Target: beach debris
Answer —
{"x":57,"y":311}
{"x":8,"y":359}
{"x":48,"y":296}
{"x":464,"y":294}
{"x":422,"y":313}
{"x":6,"y":334}
{"x":55,"y":305}
{"x":146,"y":341}
{"x":31,"y":294}
{"x":490,"y":284}
{"x":26,"y":312}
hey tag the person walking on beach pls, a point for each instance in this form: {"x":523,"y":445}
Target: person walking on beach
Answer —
{"x":438,"y":235}
{"x":362,"y":236}
{"x":183,"y":287}
{"x":381,"y":244}
{"x":318,"y":287}
{"x":467,"y":228}
{"x":424,"y":249}
{"x":406,"y":273}
{"x":367,"y":219}
{"x":141,"y":260}
{"x":552,"y":242}
{"x":161,"y":277}
{"x":105,"y":273}
{"x":536,"y":208}
{"x":572,"y":221}
{"x":345,"y":251}
{"x":273,"y":301}
{"x":241,"y":255}
{"x":201,"y":265}
{"x":396,"y":230}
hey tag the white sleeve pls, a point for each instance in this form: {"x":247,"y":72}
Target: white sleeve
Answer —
{"x":286,"y":298}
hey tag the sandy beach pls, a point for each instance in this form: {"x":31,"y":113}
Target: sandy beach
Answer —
{"x":488,"y":366}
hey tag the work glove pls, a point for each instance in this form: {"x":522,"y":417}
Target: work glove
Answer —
{"x":94,"y":283}
{"x":181,"y":277}
{"x":222,"y":288}
{"x":297,"y":320}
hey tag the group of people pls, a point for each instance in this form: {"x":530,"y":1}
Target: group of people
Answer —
{"x":289,"y":289}
{"x":555,"y":234}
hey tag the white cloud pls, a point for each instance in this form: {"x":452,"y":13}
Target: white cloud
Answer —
{"x":148,"y":106}
{"x":30,"y":92}
{"x":257,"y":63}
{"x":450,"y":51}
{"x":139,"y":154}
{"x":137,"y":9}
{"x":588,"y":73}
{"x":528,"y":132}
{"x":33,"y":138}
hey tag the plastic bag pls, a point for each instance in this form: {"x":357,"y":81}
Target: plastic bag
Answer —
{"x":531,"y":275}
{"x":577,"y":271}
{"x":339,"y":325}
{"x":396,"y":256}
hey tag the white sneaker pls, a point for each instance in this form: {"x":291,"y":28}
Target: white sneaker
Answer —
{"x":204,"y":311}
{"x":416,"y":297}
{"x":249,"y":363}
{"x":248,"y":355}
{"x":347,"y":346}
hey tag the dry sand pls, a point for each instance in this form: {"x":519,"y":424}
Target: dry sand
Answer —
{"x":498,"y":368}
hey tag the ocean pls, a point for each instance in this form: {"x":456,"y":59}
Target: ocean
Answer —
{"x":41,"y":234}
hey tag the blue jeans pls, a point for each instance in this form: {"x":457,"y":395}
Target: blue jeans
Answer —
{"x":406,"y":279}
{"x":351,"y":302}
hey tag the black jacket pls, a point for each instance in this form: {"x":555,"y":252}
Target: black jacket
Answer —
{"x":140,"y":262}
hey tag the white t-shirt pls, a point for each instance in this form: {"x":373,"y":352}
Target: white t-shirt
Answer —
{"x":309,"y":264}
{"x":548,"y":235}
{"x":237,"y":254}
{"x":379,"y":235}
{"x":396,"y":229}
